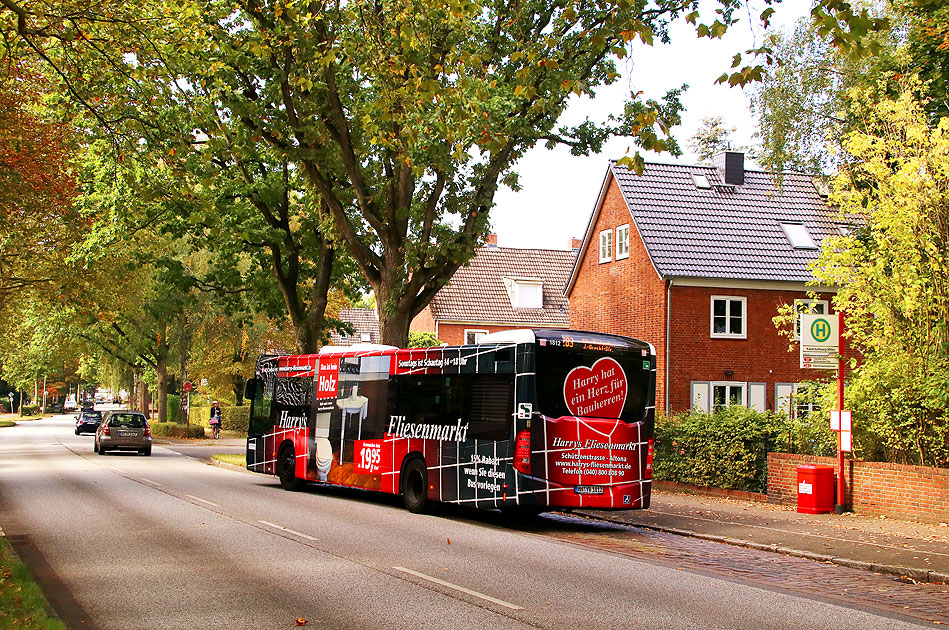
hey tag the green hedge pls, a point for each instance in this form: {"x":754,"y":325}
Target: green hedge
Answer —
{"x":725,"y":449}
{"x":31,"y":410}
{"x":232,"y":418}
{"x":174,"y":430}
{"x":173,"y":401}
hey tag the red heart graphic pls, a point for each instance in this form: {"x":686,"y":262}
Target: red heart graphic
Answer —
{"x":596,"y":392}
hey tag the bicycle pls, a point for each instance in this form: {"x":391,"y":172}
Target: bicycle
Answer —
{"x":216,"y":430}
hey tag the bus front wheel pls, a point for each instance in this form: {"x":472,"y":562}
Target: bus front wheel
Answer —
{"x":286,"y":469}
{"x":415,"y":486}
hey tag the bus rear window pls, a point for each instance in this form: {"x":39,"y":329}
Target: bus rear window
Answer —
{"x":592,"y":385}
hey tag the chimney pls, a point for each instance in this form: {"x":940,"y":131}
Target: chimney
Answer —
{"x":731,"y":164}
{"x":492,"y":240}
{"x":575,"y":244}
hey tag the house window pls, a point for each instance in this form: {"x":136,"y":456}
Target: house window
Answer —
{"x":606,"y":246}
{"x":474,"y":336}
{"x":528,"y":294}
{"x":726,"y":394}
{"x":798,"y":236}
{"x":817,"y":307}
{"x":622,"y":242}
{"x":728,"y":317}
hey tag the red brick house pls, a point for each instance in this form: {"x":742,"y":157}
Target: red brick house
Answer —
{"x":501,"y":288}
{"x":696,"y":260}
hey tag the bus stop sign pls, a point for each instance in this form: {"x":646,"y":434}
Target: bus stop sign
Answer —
{"x":820,"y":341}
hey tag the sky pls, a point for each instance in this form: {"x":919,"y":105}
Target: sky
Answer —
{"x":559,"y":190}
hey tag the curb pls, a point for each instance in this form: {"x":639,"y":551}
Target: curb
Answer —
{"x":220,"y":464}
{"x":916,"y":575}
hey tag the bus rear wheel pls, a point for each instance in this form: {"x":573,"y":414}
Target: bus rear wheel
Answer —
{"x":415,"y":486}
{"x":286,"y":469}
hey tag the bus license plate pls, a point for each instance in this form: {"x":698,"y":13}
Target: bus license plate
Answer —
{"x":588,"y":489}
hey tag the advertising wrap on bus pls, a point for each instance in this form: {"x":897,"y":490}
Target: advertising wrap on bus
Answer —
{"x":532,"y":419}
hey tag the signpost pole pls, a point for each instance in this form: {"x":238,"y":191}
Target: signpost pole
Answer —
{"x":839,"y":507}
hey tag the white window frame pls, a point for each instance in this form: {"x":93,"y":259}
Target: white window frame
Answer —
{"x":798,"y":235}
{"x":699,"y":396}
{"x":519,"y":301}
{"x":743,"y":398}
{"x":606,"y":246}
{"x":744,"y":317}
{"x":476,"y":331}
{"x":622,"y":242}
{"x":802,"y":306}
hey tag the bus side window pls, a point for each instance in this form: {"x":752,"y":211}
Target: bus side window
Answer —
{"x":420,"y":398}
{"x":491,"y":406}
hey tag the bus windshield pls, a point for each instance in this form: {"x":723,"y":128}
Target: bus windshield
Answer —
{"x":592,"y":380}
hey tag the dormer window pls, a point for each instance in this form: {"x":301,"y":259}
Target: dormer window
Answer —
{"x":525,"y":292}
{"x":798,"y":236}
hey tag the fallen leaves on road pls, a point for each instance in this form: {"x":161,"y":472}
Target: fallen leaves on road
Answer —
{"x":301,"y":621}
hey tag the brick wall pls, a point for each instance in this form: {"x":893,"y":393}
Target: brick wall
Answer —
{"x":762,"y":357}
{"x":424,"y":321}
{"x":913,"y":492}
{"x":623,"y":297}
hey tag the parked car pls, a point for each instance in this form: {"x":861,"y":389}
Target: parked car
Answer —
{"x":70,"y":404}
{"x":123,"y":430}
{"x":88,"y":421}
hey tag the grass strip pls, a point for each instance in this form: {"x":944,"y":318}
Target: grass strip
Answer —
{"x":7,"y":423}
{"x":236,"y":459}
{"x":22,"y":604}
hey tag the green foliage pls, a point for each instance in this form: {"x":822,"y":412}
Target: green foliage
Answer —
{"x":178,"y":431}
{"x":173,"y":401}
{"x":30,"y":410}
{"x":423,"y":340}
{"x":724,"y":449}
{"x":893,"y":276}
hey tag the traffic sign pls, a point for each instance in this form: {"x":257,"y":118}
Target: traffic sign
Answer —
{"x":186,"y":386}
{"x":820,"y":341}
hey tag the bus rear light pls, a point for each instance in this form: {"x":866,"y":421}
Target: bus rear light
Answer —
{"x":522,"y":452}
{"x":647,"y":474}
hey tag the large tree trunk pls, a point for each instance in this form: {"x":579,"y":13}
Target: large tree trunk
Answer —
{"x":161,"y":369}
{"x":185,"y":351}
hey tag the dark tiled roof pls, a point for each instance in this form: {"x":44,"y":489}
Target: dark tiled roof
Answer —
{"x":364,"y":321}
{"x":723,"y":232}
{"x":477,"y":292}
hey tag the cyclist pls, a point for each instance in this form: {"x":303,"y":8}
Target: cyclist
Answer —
{"x":215,"y":420}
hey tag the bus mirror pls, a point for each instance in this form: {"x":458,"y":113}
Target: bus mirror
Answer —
{"x":250,"y":388}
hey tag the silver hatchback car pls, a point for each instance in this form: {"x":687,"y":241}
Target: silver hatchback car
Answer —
{"x":123,"y":431}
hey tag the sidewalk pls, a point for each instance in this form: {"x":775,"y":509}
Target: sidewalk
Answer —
{"x":919,"y":551}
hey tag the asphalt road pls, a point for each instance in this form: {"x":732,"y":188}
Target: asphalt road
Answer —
{"x":124,"y":541}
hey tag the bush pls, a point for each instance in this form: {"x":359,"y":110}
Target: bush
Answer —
{"x":175,"y":430}
{"x":31,"y":410}
{"x":233,"y":418}
{"x":726,"y":449}
{"x":173,"y":401}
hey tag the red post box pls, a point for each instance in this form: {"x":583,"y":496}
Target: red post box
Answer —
{"x":815,"y":489}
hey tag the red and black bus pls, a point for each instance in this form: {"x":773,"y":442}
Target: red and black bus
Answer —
{"x":531,"y":419}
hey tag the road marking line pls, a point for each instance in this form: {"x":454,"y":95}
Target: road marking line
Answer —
{"x":191,"y":496}
{"x":499,"y":602}
{"x":154,"y":483}
{"x":288,"y":530}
